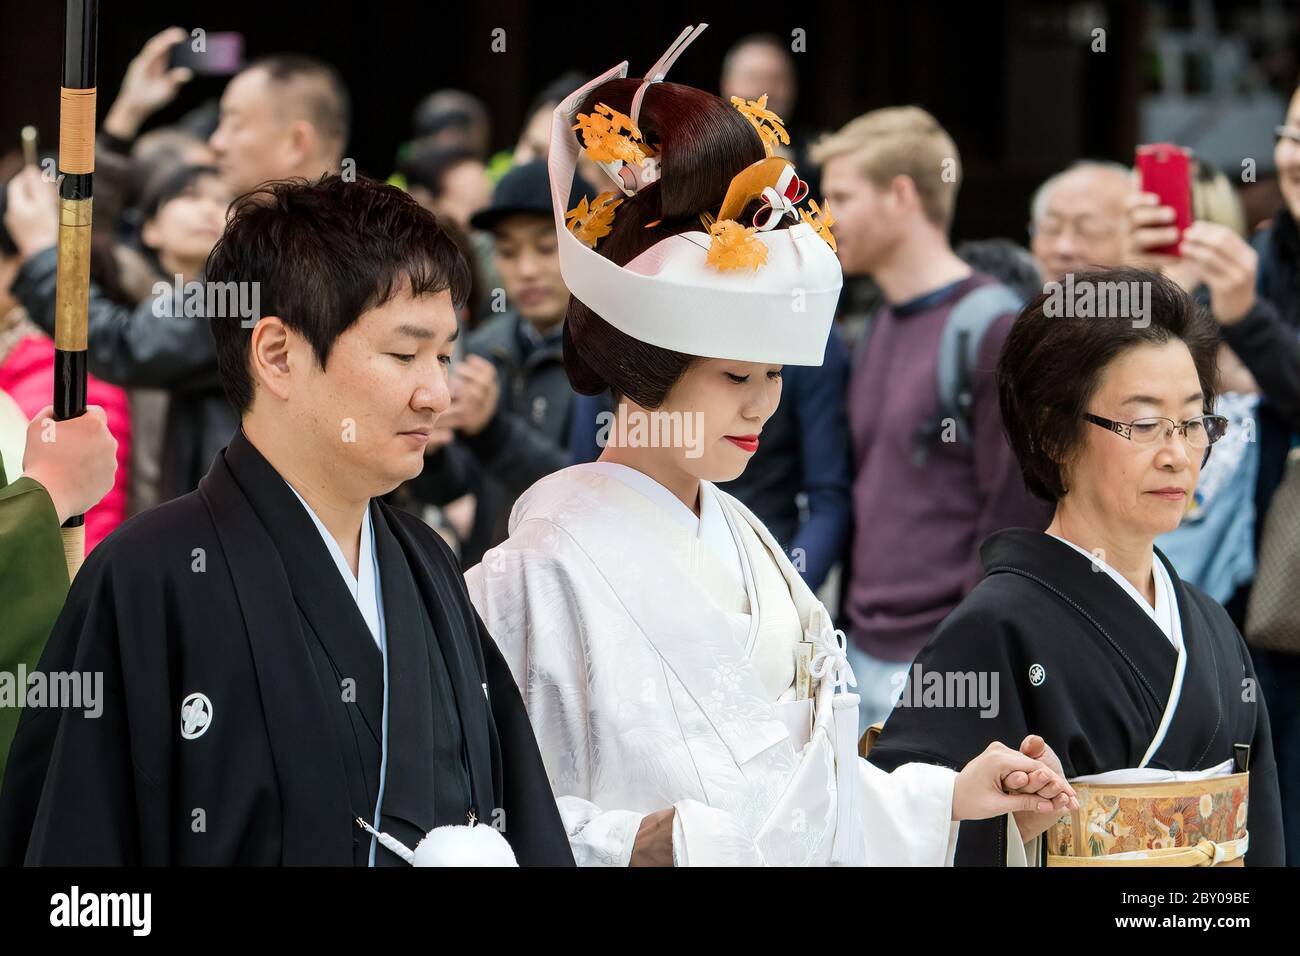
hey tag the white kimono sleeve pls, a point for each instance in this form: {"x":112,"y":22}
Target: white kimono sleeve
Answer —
{"x":904,"y":816}
{"x":535,"y":613}
{"x":907,"y":815}
{"x":599,"y":837}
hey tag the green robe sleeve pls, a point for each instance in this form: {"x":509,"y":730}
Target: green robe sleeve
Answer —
{"x":33,"y":586}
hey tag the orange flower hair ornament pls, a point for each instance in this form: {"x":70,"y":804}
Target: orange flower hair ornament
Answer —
{"x":766,"y":123}
{"x":615,"y":142}
{"x":610,"y":136}
{"x":775,"y":182}
{"x":592,"y":222}
{"x":821,"y":221}
{"x":733,"y":246}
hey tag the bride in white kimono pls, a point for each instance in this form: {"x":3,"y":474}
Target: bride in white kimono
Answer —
{"x":688,"y":692}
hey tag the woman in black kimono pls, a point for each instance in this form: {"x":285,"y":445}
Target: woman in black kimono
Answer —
{"x":1085,"y":632}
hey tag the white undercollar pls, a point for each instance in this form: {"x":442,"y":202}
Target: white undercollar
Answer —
{"x":364,"y":586}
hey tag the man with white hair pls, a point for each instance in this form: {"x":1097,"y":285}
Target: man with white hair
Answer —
{"x":1078,"y":218}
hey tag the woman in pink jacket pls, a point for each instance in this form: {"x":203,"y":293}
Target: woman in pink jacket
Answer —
{"x":27,"y":374}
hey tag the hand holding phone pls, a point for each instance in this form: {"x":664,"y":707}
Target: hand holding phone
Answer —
{"x":1166,"y":171}
{"x":210,"y":54}
{"x":149,"y":85}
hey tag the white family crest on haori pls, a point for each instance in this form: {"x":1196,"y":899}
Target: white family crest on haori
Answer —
{"x":671,"y":296}
{"x":196,"y":716}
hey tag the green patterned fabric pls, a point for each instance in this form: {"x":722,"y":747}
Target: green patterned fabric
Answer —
{"x":33,"y":586}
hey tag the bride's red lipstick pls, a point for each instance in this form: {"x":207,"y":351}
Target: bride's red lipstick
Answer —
{"x":748,"y":443}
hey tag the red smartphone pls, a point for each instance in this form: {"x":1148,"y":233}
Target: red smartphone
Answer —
{"x":1166,"y":170}
{"x":221,"y":54}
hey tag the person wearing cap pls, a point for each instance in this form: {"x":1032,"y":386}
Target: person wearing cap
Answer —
{"x":508,"y":424}
{"x":688,"y":692}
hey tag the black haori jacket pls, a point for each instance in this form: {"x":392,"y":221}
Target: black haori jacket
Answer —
{"x":243,"y":695}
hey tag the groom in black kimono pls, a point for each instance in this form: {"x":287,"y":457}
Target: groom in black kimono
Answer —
{"x":282,"y":653}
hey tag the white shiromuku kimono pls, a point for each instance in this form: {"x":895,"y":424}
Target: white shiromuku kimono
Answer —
{"x":656,"y":653}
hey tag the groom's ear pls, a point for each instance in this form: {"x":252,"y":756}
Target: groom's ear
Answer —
{"x":269,"y":356}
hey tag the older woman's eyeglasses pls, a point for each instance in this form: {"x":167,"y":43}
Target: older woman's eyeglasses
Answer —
{"x":1200,"y":432}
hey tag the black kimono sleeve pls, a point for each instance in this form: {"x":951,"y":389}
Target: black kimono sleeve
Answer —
{"x":78,"y":788}
{"x":970,"y":641}
{"x":533,"y":826}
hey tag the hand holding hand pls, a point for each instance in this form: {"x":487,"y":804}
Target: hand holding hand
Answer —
{"x":1030,"y":823}
{"x":1002,"y":780}
{"x":654,"y":840}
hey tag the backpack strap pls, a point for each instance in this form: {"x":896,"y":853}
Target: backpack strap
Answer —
{"x":859,"y":352}
{"x":959,"y":348}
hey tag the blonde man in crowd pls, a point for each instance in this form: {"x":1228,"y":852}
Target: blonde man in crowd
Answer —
{"x":932,"y":472}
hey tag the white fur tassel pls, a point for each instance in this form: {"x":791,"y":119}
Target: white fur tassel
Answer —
{"x":477,"y":845}
{"x":474,"y":845}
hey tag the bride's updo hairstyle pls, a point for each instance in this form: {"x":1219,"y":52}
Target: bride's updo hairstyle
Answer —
{"x":702,"y":142}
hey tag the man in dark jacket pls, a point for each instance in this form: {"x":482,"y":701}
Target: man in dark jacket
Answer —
{"x":1254,"y":294}
{"x":148,"y":348}
{"x":511,"y":395}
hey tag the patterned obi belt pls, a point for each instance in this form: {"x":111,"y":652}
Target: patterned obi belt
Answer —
{"x":1186,"y":822}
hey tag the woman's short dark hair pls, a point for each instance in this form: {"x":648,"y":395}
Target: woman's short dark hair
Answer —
{"x":1052,"y":363}
{"x":703,"y":142}
{"x":323,"y":253}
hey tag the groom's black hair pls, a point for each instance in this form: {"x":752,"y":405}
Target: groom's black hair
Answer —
{"x":322,"y":253}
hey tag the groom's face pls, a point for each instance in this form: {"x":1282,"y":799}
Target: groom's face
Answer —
{"x":372,"y":408}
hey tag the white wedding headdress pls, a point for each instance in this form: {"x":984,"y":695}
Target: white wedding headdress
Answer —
{"x":777,"y":307}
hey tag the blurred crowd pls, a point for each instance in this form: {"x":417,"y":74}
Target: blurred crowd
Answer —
{"x":878,"y":476}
